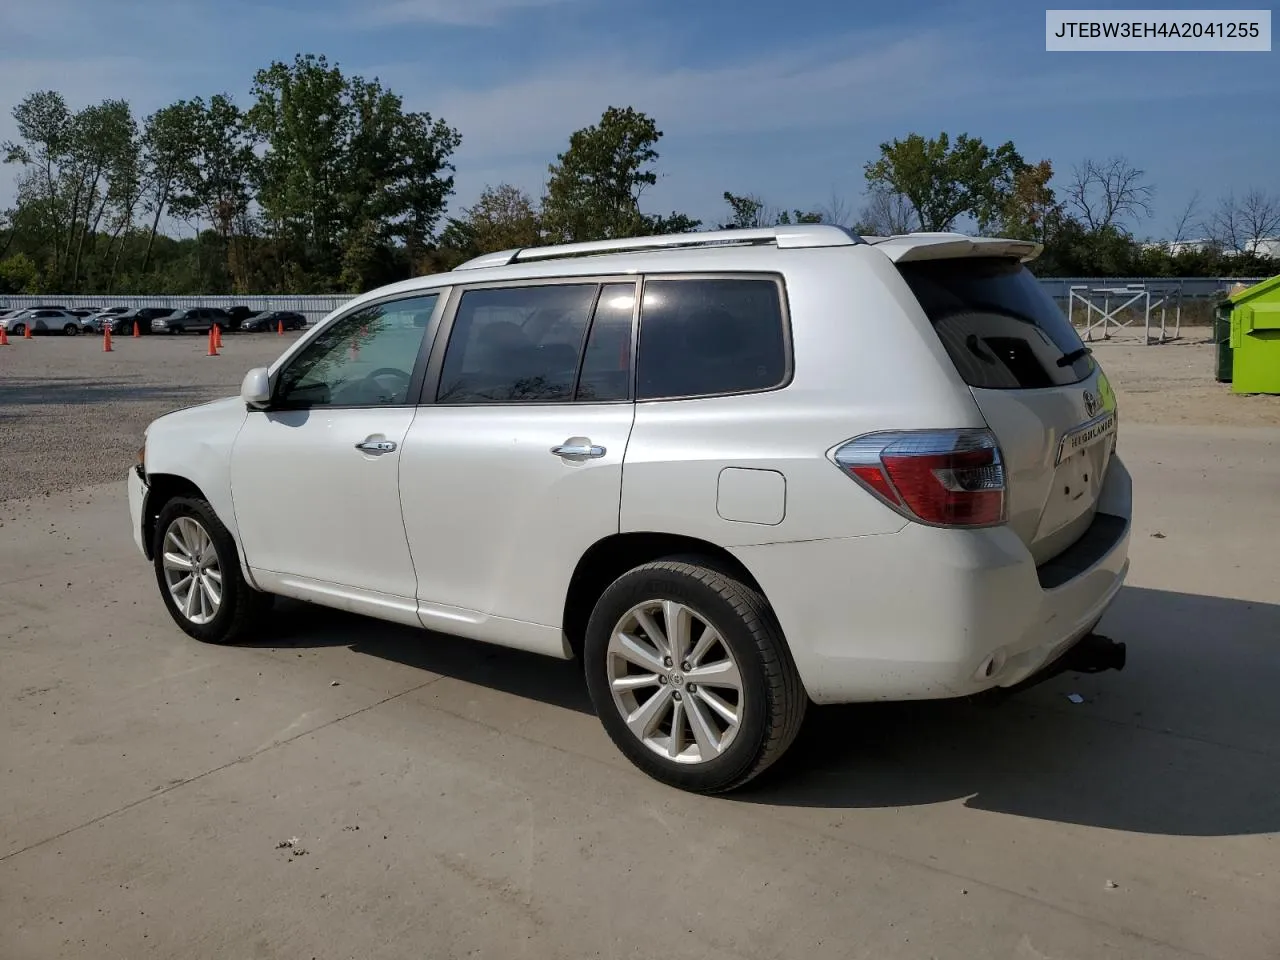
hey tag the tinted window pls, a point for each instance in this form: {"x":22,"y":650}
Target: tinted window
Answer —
{"x":1000,"y":328}
{"x":366,"y":358}
{"x":606,"y":364}
{"x":705,"y":337}
{"x":516,"y":344}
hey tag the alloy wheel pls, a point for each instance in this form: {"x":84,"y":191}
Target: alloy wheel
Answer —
{"x":675,"y":681}
{"x":192,"y":572}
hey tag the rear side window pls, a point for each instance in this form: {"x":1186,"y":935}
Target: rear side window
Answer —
{"x":1000,"y":328}
{"x":517,"y":344}
{"x":704,"y":337}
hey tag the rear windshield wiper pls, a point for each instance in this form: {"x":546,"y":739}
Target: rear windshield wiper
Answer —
{"x":1068,"y":359}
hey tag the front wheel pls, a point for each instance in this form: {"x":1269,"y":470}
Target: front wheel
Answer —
{"x":691,"y":676}
{"x":70,"y":330}
{"x":198,"y":572}
{"x":19,"y":329}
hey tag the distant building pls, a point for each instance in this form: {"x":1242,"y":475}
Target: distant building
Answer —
{"x":1264,"y":247}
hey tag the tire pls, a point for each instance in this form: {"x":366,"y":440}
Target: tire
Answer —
{"x":70,"y":330}
{"x":173,"y":329}
{"x":770,"y":700}
{"x":240,"y":608}
{"x":19,"y":330}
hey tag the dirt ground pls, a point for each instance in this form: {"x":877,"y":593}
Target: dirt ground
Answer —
{"x":1173,"y":384}
{"x":72,"y":415}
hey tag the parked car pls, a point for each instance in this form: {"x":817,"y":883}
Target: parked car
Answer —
{"x":195,"y":320}
{"x":238,"y":315}
{"x":270,"y":322}
{"x":123,"y":323}
{"x":830,"y":469}
{"x":42,"y":320}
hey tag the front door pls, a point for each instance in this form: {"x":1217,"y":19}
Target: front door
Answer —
{"x":515,"y":469}
{"x":314,"y":478}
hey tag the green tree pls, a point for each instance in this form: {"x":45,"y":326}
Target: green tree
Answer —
{"x":44,"y":125}
{"x":673,"y":222}
{"x":19,"y":274}
{"x":503,"y":218}
{"x":943,"y":182}
{"x":748,"y":210}
{"x":1031,"y":210}
{"x":215,"y":187}
{"x":347,"y":171}
{"x":169,"y":143}
{"x":594,"y":188}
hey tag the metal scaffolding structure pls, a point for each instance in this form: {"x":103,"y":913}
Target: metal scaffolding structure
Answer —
{"x":1103,"y":306}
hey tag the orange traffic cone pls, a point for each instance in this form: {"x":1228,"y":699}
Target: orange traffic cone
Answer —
{"x":279,"y":328}
{"x":26,"y":330}
{"x":213,"y":344}
{"x":217,"y":336}
{"x":4,"y":337}
{"x":136,"y":331}
{"x":106,"y":339}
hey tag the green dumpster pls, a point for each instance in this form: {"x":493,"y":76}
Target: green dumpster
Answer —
{"x":1255,"y":338}
{"x":1222,"y":342}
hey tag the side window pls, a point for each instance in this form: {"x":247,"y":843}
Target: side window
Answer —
{"x":364,"y":359}
{"x":516,"y":344}
{"x":708,"y":337}
{"x":606,"y":364}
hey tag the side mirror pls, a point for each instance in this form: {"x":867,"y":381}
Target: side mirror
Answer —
{"x":255,"y":389}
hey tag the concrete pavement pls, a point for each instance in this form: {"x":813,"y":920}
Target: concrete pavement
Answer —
{"x":454,"y":799}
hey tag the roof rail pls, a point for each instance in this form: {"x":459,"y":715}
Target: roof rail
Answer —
{"x":787,"y":236}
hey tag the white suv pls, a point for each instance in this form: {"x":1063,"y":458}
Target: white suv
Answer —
{"x":734,"y":472}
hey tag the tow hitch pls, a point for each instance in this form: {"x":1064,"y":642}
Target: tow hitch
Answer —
{"x":1092,"y":653}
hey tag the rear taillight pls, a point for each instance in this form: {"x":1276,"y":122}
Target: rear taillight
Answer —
{"x":945,"y":478}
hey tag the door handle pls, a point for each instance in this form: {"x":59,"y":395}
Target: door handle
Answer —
{"x":376,"y":446}
{"x":578,"y":448}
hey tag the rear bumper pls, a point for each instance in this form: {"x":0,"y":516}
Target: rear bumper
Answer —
{"x":928,"y":613}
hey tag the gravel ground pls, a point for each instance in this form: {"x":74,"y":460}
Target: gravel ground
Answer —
{"x":72,"y":415}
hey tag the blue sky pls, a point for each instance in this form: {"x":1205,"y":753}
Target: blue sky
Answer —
{"x":786,"y":100}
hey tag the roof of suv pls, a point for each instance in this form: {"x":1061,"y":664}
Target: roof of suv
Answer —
{"x":691,"y":251}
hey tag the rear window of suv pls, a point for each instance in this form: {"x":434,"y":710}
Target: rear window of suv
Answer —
{"x":1000,"y":328}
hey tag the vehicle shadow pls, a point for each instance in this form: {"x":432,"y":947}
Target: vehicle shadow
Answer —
{"x":557,"y":682}
{"x":1182,"y":742}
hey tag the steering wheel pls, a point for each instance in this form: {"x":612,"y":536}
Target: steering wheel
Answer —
{"x":371,"y":380}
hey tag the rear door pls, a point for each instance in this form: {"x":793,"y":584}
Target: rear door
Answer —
{"x":1041,"y":392}
{"x":512,"y":468}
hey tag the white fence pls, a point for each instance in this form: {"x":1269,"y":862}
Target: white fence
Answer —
{"x":316,"y":306}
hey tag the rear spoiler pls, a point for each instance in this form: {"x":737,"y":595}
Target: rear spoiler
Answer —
{"x":949,"y":246}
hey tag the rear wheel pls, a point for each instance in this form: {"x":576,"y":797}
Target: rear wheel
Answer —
{"x":198,"y":572}
{"x":691,"y":676}
{"x":70,"y":330}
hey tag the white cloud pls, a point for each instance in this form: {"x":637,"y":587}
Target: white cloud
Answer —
{"x":469,"y":13}
{"x":534,"y":114}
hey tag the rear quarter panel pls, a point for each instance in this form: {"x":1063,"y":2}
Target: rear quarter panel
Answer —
{"x":860,"y":362}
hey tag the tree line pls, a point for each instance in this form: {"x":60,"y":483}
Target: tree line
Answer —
{"x":325,"y":182}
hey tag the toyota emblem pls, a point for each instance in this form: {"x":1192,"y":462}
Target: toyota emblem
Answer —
{"x":1090,"y":403}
